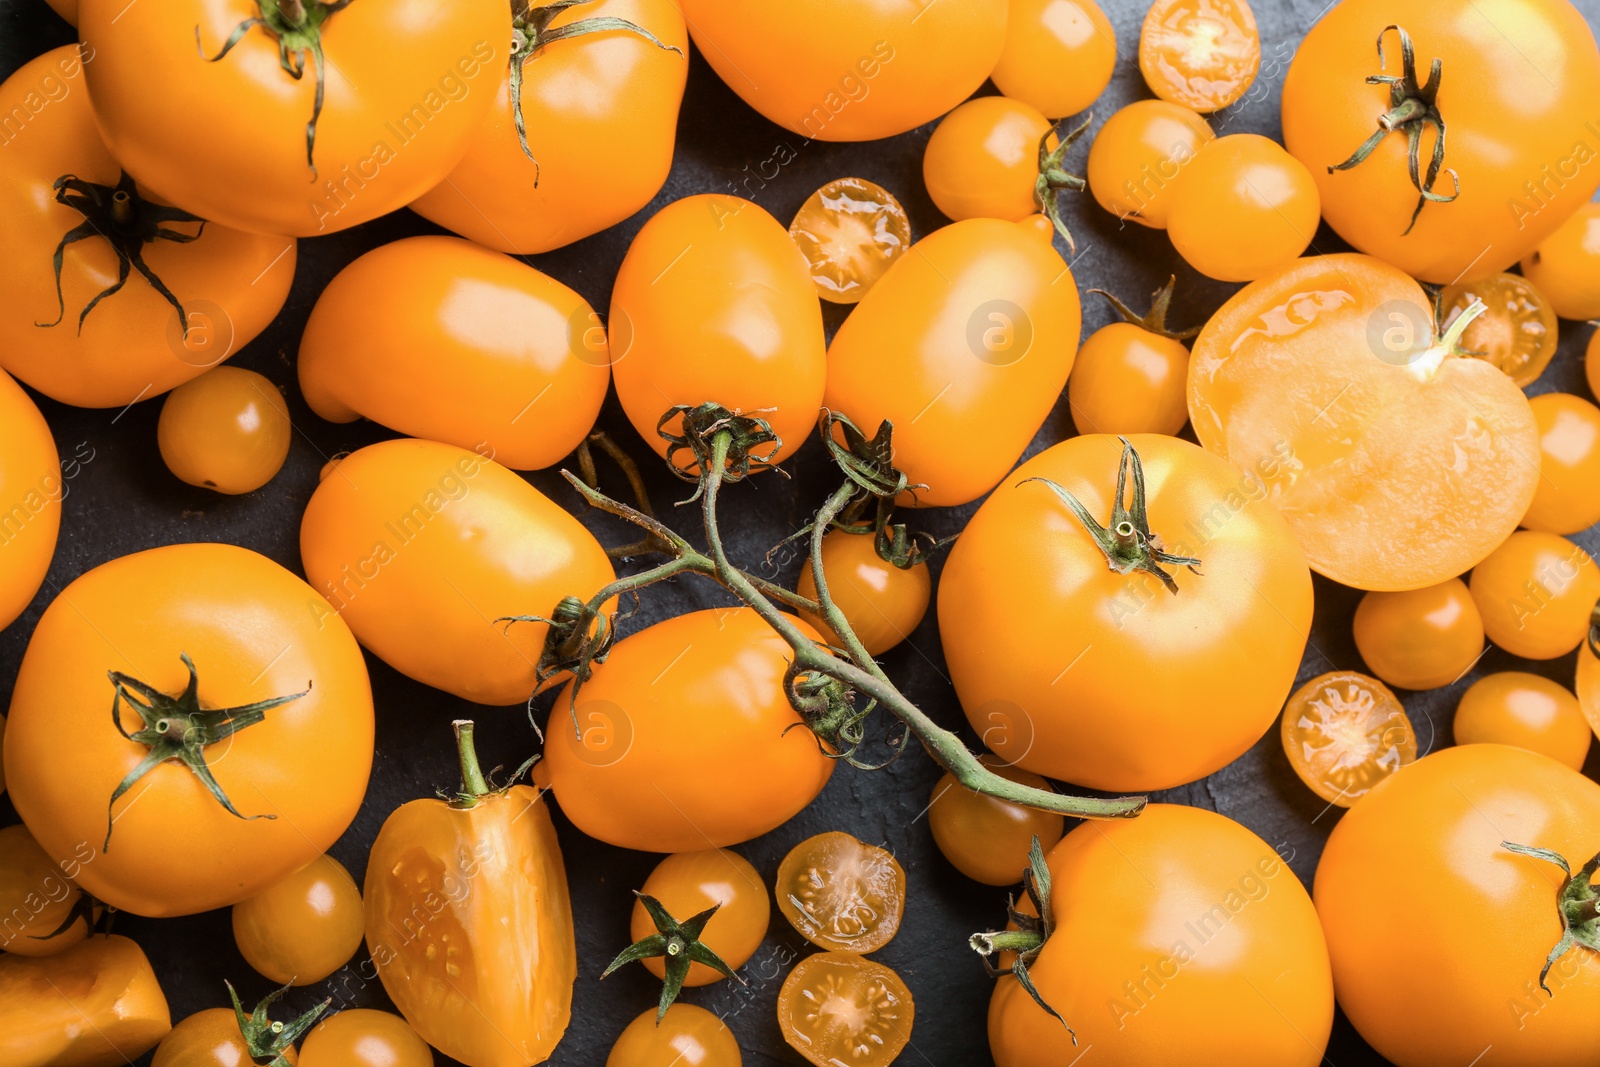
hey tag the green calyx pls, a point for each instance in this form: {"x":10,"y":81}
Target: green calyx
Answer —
{"x":178,"y":729}
{"x":1053,"y":178}
{"x":266,"y":1041}
{"x":836,"y":715}
{"x":117,"y":214}
{"x":1413,"y":109}
{"x":531,"y":32}
{"x":1128,"y":543}
{"x":1578,"y":904}
{"x":702,"y":426}
{"x":1030,"y":935}
{"x":297,"y":26}
{"x":678,"y":945}
{"x":1155,"y":320}
{"x":85,"y":908}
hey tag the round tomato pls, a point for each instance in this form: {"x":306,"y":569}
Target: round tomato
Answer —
{"x":850,"y":70}
{"x":1132,"y":376}
{"x":144,"y":298}
{"x":31,"y":491}
{"x":1420,"y":638}
{"x":964,"y":346}
{"x":1244,"y":208}
{"x":882,"y":601}
{"x":1058,"y":56}
{"x":302,"y":928}
{"x":1587,"y":683}
{"x":836,"y":1007}
{"x":1568,"y":497}
{"x":298,"y":117}
{"x":423,"y":547}
{"x":227,"y":430}
{"x":1566,"y":265}
{"x":986,"y":838}
{"x":260,"y":709}
{"x":1525,"y":710}
{"x":438,"y":338}
{"x":1179,"y":936}
{"x":714,"y":303}
{"x":1535,"y":593}
{"x":227,"y":1037}
{"x":361,"y":1037}
{"x":1437,"y":831}
{"x":1591,"y":363}
{"x":851,"y":231}
{"x":686,"y":1036}
{"x":1202,"y":54}
{"x":982,"y":161}
{"x":1472,"y":205}
{"x":1135,"y":159}
{"x":1397,"y":463}
{"x":1517,"y":332}
{"x":45,"y":913}
{"x":600,"y":116}
{"x":630,"y":770}
{"x":686,"y":884}
{"x":841,"y":893}
{"x":1344,"y":733}
{"x":96,"y":1003}
{"x":1138,"y":655}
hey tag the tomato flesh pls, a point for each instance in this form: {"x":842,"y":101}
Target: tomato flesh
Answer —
{"x":1517,"y":333}
{"x":837,"y":1008}
{"x":1199,"y":53}
{"x":1344,"y":733}
{"x":841,"y":893}
{"x":851,"y":231}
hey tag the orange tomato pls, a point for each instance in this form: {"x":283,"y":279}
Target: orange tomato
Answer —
{"x":1568,"y":497}
{"x":686,"y":1037}
{"x":227,"y":430}
{"x":1058,"y":56}
{"x":361,"y":1037}
{"x":303,"y":928}
{"x":1591,"y":363}
{"x":1420,"y":638}
{"x":982,"y":161}
{"x":1525,"y":710}
{"x":714,"y":303}
{"x":134,"y":342}
{"x":1344,"y":733}
{"x":850,"y":70}
{"x":687,"y":883}
{"x":964,"y":345}
{"x":1565,"y":266}
{"x":98,"y":1004}
{"x":841,"y":893}
{"x":1325,"y":370}
{"x":420,"y":547}
{"x":1587,"y":685}
{"x":1135,"y":159}
{"x":1535,"y":593}
{"x":438,"y":338}
{"x":44,"y":912}
{"x":882,"y":602}
{"x":1244,"y":209}
{"x":31,"y":491}
{"x":388,"y":103}
{"x":601,"y":116}
{"x":1518,"y":331}
{"x":1202,"y":54}
{"x":837,"y":1007}
{"x":1132,"y":376}
{"x":851,"y":231}
{"x":986,"y":838}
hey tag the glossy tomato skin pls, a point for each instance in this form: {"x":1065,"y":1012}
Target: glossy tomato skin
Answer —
{"x":601,"y":111}
{"x":964,"y":345}
{"x":37,"y":897}
{"x":132,"y":346}
{"x":1435,"y":831}
{"x":1502,"y":131}
{"x":1525,"y":710}
{"x":361,"y":1037}
{"x":850,"y":70}
{"x":983,"y":160}
{"x":1243,"y":209}
{"x":986,"y":838}
{"x":244,"y":621}
{"x":1154,"y":689}
{"x":1420,"y":638}
{"x":1587,"y":686}
{"x":714,"y":302}
{"x":302,"y":928}
{"x":208,"y":1038}
{"x":420,"y":546}
{"x":688,"y":1037}
{"x":687,"y":883}
{"x":97,"y":1004}
{"x":227,"y":430}
{"x":406,"y":89}
{"x":441,"y":339}
{"x":1180,"y":937}
{"x":1058,"y":56}
{"x":631,"y":772}
{"x":1566,"y":265}
{"x":1568,"y":497}
{"x":1137,"y":156}
{"x":882,"y":603}
{"x":1535,"y":593}
{"x":1127,"y":379}
{"x":470,"y":926}
{"x":31,"y":491}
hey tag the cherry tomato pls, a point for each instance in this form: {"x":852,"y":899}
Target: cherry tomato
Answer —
{"x":600,"y":111}
{"x":91,"y":341}
{"x":882,"y":602}
{"x":1568,"y":497}
{"x":686,"y":1037}
{"x":1245,"y":208}
{"x":714,"y":303}
{"x":1587,"y":685}
{"x":1535,"y":593}
{"x":43,"y":910}
{"x":630,"y":770}
{"x":1058,"y":56}
{"x":421,"y":546}
{"x":688,"y":883}
{"x":1436,"y":832}
{"x":841,"y":893}
{"x":227,"y":430}
{"x":848,"y":70}
{"x":1135,"y":159}
{"x":291,"y":687}
{"x":361,"y":1037}
{"x":1420,"y":638}
{"x":1344,"y":733}
{"x":1155,"y":686}
{"x":389,"y":101}
{"x":1324,"y":372}
{"x":438,"y":338}
{"x":1202,"y":54}
{"x":1525,"y":710}
{"x":986,"y":838}
{"x":1565,"y":267}
{"x":303,"y":928}
{"x":1132,"y":376}
{"x":1517,"y":333}
{"x":982,"y":161}
{"x":836,"y":1007}
{"x":230,"y":1037}
{"x":1180,"y":937}
{"x":1502,"y":130}
{"x":31,"y":491}
{"x":95,"y":1005}
{"x":964,"y":345}
{"x":469,"y":922}
{"x":851,"y":231}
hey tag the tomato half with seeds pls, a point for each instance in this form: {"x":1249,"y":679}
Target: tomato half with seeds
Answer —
{"x":1244,"y":209}
{"x":1566,"y":265}
{"x":31,"y":491}
{"x":1420,"y":638}
{"x":986,"y":838}
{"x":227,"y":430}
{"x":1162,"y":629}
{"x":687,"y":883}
{"x":1344,"y":733}
{"x":1535,"y":593}
{"x":1568,"y":497}
{"x":98,"y":1003}
{"x":258,"y":711}
{"x":600,"y":116}
{"x":441,"y":339}
{"x":1457,"y":178}
{"x":1330,"y":369}
{"x":687,"y":1036}
{"x":1518,"y":331}
{"x":361,"y":1037}
{"x":964,"y":345}
{"x":836,"y":1007}
{"x":1136,"y":157}
{"x":882,"y":601}
{"x":1525,"y":710}
{"x":93,"y":341}
{"x":851,"y":231}
{"x":841,"y":893}
{"x":1438,"y":832}
{"x":303,"y":928}
{"x":1058,"y":57}
{"x":45,"y":913}
{"x":1202,"y":54}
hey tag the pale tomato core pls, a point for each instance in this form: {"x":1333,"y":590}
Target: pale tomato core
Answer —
{"x":851,"y":231}
{"x":1344,"y":733}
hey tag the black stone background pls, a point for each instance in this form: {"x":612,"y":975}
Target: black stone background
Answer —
{"x":125,"y":500}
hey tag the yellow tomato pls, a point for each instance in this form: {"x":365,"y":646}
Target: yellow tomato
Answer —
{"x":41,"y":910}
{"x":31,"y":491}
{"x":1566,"y":265}
{"x":1525,"y":710}
{"x":1568,"y":497}
{"x":227,"y":430}
{"x":1137,"y":156}
{"x":1058,"y":56}
{"x":1420,"y":638}
{"x":302,"y":928}
{"x":982,"y":161}
{"x":1535,"y":593}
{"x":882,"y":602}
{"x":1245,"y":208}
{"x":98,"y":1004}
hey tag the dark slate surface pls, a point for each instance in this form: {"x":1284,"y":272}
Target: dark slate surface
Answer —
{"x":124,"y":500}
